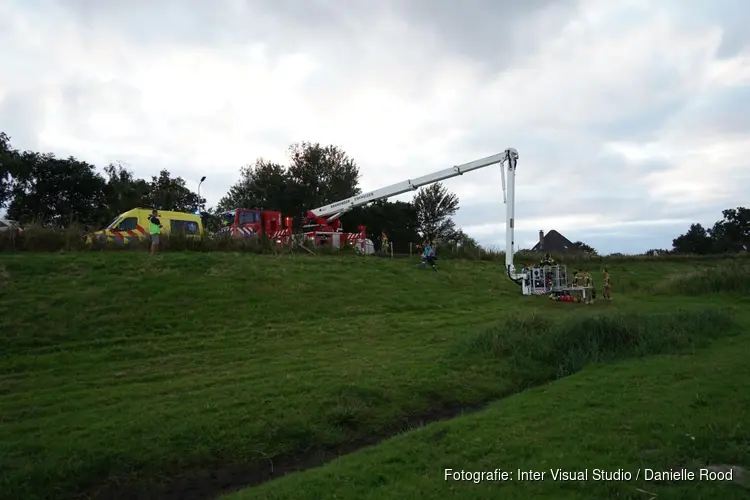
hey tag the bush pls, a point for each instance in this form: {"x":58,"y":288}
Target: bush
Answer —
{"x":539,"y":349}
{"x":44,"y":239}
{"x":73,"y":238}
{"x":732,"y":278}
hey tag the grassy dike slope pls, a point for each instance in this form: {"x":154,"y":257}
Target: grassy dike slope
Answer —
{"x":664,"y":412}
{"x":675,"y":412}
{"x":122,"y":373}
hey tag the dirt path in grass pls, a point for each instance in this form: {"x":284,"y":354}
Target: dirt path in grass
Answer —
{"x":207,"y":484}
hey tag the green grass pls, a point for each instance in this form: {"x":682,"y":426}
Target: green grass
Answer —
{"x":538,"y":348}
{"x":667,"y":412}
{"x":120,"y":369}
{"x":729,"y":277}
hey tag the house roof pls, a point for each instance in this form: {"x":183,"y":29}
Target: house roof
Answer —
{"x":554,"y":242}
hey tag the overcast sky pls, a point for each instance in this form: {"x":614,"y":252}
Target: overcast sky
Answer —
{"x":631,"y":118}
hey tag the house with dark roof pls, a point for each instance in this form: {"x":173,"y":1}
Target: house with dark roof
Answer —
{"x":554,"y":242}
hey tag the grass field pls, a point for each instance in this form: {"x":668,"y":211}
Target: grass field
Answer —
{"x":189,"y":375}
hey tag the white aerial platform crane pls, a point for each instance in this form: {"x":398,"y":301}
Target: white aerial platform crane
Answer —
{"x":326,"y":218}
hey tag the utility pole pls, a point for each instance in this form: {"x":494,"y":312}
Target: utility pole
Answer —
{"x":200,"y":200}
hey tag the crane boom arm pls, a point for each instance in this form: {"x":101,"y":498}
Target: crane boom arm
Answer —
{"x":510,"y":155}
{"x":337,"y":209}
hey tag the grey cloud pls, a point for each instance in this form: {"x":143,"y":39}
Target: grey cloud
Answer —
{"x":731,"y":15}
{"x":22,"y":117}
{"x":565,"y":159}
{"x":724,"y":112}
{"x":735,"y":38}
{"x":492,"y":33}
{"x":287,"y":23}
{"x":348,"y":36}
{"x":321,"y":15}
{"x":642,"y":124}
{"x":184,"y":22}
{"x":87,"y":94}
{"x":80,"y":98}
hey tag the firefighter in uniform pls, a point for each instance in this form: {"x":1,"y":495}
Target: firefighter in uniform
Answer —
{"x":607,"y":282}
{"x":577,"y":282}
{"x":547,"y":260}
{"x":589,"y":283}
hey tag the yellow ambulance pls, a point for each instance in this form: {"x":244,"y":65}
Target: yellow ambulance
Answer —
{"x":132,"y":226}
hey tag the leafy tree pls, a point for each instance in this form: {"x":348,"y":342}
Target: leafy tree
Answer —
{"x":696,"y":240}
{"x":316,"y":176}
{"x":123,"y":191}
{"x":435,"y":206}
{"x":656,"y":251}
{"x":56,"y":191}
{"x":461,"y":240}
{"x":167,"y":193}
{"x":397,"y":219}
{"x":732,"y":233}
{"x":584,"y":248}
{"x":320,"y":175}
{"x":8,"y":165}
{"x":262,"y":185}
{"x":211,"y":219}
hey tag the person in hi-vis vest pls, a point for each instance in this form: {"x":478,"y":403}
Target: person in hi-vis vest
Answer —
{"x":154,"y":229}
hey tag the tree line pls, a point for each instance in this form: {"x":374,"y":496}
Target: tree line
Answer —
{"x":730,"y":234}
{"x":55,"y":192}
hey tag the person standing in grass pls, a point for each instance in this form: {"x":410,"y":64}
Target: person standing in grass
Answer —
{"x":428,"y":256}
{"x":607,"y":282}
{"x":577,"y":283}
{"x":384,"y":242}
{"x":154,"y":230}
{"x":588,"y":282}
